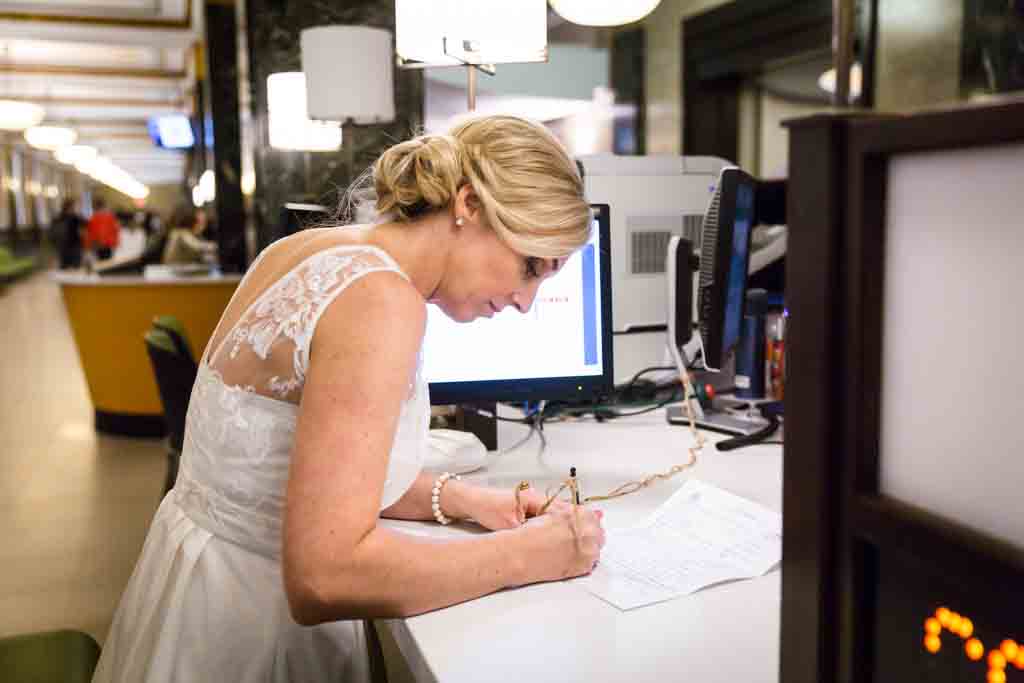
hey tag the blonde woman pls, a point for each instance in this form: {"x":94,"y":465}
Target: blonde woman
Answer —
{"x":309,"y":417}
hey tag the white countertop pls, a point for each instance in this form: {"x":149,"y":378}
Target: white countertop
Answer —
{"x":81,"y":278}
{"x":559,"y":631}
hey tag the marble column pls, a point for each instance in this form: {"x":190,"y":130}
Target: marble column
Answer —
{"x":222,"y":74}
{"x":273,"y":28}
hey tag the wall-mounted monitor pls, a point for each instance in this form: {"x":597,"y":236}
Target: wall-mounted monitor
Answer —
{"x":173,"y":131}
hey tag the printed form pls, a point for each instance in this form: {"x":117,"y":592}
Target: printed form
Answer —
{"x":700,"y":536}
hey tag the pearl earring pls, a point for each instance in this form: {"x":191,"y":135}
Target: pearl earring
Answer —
{"x":459,"y":222}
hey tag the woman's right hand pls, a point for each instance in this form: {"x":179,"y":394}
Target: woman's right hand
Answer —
{"x":559,"y":547}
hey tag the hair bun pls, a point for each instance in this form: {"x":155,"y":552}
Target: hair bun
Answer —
{"x":418,"y":176}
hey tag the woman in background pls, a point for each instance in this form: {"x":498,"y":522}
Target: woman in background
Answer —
{"x":185,"y":243}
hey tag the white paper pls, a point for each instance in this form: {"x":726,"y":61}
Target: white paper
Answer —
{"x":700,"y":536}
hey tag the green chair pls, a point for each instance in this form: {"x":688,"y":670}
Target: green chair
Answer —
{"x":50,"y":657}
{"x":173,"y":327}
{"x":13,"y":267}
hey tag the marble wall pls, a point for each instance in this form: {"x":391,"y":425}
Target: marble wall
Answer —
{"x":272,"y":35}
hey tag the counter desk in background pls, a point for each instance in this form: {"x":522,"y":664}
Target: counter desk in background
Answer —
{"x":109,"y":316}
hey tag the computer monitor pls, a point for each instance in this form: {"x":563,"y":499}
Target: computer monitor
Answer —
{"x":173,"y":131}
{"x":724,"y":259}
{"x":720,"y":293}
{"x":560,"y":349}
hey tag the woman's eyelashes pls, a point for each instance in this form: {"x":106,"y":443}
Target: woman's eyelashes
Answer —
{"x":532,"y":267}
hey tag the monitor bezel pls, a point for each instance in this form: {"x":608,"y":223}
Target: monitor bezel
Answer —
{"x":712,"y":313}
{"x":549,"y":388}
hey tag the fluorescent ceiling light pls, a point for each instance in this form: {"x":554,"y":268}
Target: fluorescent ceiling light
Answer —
{"x":50,"y":138}
{"x":603,"y":12}
{"x":17,"y":116}
{"x":74,"y":154}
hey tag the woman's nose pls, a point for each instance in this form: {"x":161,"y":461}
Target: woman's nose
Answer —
{"x":523,"y":300}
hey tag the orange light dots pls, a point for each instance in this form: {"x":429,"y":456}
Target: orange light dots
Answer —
{"x":996,"y":660}
{"x":966,"y":628}
{"x":1010,"y":649}
{"x":932,"y":626}
{"x":996,"y":676}
{"x":942,"y":614}
{"x":932,"y":643}
{"x":954,"y":622}
{"x":1019,"y":662}
{"x":974,"y":649}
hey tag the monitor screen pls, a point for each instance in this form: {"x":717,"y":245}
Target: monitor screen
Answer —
{"x":561,"y":348}
{"x":172,"y":131}
{"x":724,"y":259}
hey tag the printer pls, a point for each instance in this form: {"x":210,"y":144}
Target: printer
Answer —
{"x":650,"y":199}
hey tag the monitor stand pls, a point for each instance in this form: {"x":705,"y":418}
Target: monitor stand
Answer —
{"x":726,"y":415}
{"x":469,"y":418}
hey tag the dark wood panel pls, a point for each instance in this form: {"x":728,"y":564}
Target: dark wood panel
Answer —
{"x":808,"y":624}
{"x":994,"y":569}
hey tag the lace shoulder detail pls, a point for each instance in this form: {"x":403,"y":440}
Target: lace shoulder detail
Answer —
{"x":276,"y":331}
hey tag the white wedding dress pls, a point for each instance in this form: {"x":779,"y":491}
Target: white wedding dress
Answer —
{"x":206,"y":601}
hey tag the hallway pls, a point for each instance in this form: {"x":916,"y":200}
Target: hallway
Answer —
{"x":74,"y":504}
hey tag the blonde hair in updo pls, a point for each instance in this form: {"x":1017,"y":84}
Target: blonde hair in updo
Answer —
{"x":530,"y":190}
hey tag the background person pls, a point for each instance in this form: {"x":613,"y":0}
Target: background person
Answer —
{"x":102,"y":232}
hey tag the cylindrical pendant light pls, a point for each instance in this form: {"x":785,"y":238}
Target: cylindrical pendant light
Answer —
{"x":603,"y":12}
{"x":288,"y":124}
{"x":17,"y":116}
{"x":348,"y":74}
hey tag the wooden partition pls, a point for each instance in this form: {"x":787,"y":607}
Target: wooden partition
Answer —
{"x":903,"y":461}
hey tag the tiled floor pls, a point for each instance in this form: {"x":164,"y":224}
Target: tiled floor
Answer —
{"x":74,"y":505}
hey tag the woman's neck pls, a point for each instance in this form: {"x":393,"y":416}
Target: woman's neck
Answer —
{"x":420,"y":248}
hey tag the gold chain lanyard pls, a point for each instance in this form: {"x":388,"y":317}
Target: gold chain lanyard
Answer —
{"x":632,"y":486}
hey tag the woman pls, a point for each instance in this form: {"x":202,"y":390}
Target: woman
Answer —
{"x":309,"y":417}
{"x":185,"y":242}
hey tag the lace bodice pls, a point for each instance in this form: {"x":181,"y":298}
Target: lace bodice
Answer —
{"x":242,"y":414}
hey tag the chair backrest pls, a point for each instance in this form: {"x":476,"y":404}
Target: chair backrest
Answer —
{"x":173,"y":327}
{"x":175,"y":374}
{"x":50,"y":657}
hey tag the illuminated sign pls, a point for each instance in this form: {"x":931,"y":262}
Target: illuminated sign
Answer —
{"x":1008,"y":652}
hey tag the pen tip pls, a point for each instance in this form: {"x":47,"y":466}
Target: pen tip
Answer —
{"x":572,"y":471}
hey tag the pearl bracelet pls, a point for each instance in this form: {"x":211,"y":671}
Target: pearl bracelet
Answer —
{"x":435,"y":496}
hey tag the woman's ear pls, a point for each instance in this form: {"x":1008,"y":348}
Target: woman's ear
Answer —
{"x":467,"y":204}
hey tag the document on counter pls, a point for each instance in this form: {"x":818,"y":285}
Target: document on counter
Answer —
{"x":700,"y":536}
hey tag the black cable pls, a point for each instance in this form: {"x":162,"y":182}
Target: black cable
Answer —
{"x":750,"y":439}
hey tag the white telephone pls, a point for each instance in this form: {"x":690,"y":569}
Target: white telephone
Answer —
{"x":454,"y":451}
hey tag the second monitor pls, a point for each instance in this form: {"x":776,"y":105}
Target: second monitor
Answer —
{"x":561,"y":348}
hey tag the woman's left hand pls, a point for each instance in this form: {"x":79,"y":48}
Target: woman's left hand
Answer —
{"x":495,"y":509}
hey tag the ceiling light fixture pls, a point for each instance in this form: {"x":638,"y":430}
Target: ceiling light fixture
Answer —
{"x":359,"y":56}
{"x":50,"y":138}
{"x":827,"y":80}
{"x":603,"y":12}
{"x":17,"y":116}
{"x":75,"y":154}
{"x":288,"y":124}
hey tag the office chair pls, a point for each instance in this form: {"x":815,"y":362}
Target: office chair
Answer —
{"x":175,"y":374}
{"x":50,"y":657}
{"x":173,"y":327}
